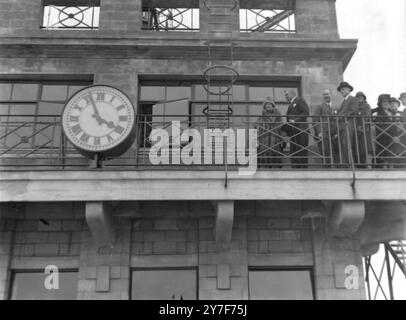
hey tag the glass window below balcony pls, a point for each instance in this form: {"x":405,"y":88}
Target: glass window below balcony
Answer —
{"x":33,"y":285}
{"x":170,"y":284}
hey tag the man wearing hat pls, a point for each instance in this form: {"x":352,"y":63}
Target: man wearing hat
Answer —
{"x":346,"y":122}
{"x":363,"y":138}
{"x":324,"y":127}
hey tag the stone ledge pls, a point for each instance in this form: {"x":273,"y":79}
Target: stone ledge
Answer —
{"x":200,"y":185}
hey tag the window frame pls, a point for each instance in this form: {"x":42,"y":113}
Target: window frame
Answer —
{"x":13,"y":273}
{"x":147,"y":5}
{"x":249,"y":5}
{"x":196,"y":269}
{"x":70,"y":3}
{"x":41,"y":82}
{"x":310,"y":269}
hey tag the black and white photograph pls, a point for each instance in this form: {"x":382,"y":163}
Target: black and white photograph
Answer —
{"x":219,"y":151}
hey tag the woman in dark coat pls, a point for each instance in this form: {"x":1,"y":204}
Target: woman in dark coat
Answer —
{"x":397,"y":133}
{"x":383,"y":139}
{"x":270,"y":144}
{"x":362,"y":146}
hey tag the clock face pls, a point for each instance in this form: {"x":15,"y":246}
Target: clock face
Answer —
{"x":98,"y":118}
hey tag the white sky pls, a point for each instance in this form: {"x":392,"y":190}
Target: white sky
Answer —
{"x":379,"y":65}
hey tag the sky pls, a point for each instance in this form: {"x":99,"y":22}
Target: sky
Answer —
{"x":379,"y":64}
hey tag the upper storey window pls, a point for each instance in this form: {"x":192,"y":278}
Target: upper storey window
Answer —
{"x":71,"y":14}
{"x":164,"y":15}
{"x":267,"y":16}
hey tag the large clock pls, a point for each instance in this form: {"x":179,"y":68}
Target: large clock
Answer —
{"x":99,"y":120}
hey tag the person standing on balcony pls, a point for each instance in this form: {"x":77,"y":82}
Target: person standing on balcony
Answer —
{"x":397,"y":133}
{"x":402,"y":107}
{"x":346,"y":123}
{"x":402,"y":110}
{"x":381,"y":117}
{"x":270,"y":148}
{"x":297,"y":128}
{"x":362,"y":146}
{"x":324,"y":128}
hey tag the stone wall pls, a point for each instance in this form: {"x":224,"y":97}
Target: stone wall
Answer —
{"x":176,"y":234}
{"x":314,"y":18}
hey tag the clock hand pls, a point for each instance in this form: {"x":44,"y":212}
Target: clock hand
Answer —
{"x":100,"y":120}
{"x":96,"y":112}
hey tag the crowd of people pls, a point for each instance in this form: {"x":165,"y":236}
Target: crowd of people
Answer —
{"x":353,"y":134}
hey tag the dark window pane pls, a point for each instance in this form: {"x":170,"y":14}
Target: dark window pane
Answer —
{"x":280,"y":285}
{"x":239,"y":93}
{"x":54,"y":93}
{"x":25,"y":92}
{"x":46,"y":108}
{"x":152,"y":93}
{"x":4,"y":108}
{"x":260,"y":93}
{"x":22,"y":109}
{"x":30,"y":286}
{"x":74,"y":89}
{"x":5,"y":91}
{"x":164,"y":285}
{"x":200,"y":93}
{"x":177,"y":93}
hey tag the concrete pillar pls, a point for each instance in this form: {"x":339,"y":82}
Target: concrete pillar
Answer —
{"x":100,"y":221}
{"x":224,"y":221}
{"x":346,"y":218}
{"x":8,"y":212}
{"x":385,"y":221}
{"x":104,"y":273}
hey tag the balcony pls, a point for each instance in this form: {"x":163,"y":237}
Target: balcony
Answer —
{"x":36,"y":142}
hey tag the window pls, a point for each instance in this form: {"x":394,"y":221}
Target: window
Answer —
{"x":71,"y":14}
{"x":161,"y":102}
{"x":267,"y":17}
{"x":30,"y":111}
{"x":164,"y":284}
{"x":30,"y":285}
{"x":282,"y":284}
{"x":164,"y":16}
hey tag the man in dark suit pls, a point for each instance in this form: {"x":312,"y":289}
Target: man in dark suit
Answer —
{"x":297,"y":128}
{"x":324,"y":128}
{"x":346,"y":123}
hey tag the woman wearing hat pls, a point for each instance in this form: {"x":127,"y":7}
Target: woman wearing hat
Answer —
{"x":382,"y":120}
{"x":270,"y":145}
{"x":398,"y":134}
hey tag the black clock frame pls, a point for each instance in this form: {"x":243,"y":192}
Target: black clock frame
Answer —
{"x":112,"y":152}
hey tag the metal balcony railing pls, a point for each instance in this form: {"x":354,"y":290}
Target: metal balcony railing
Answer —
{"x":352,"y":143}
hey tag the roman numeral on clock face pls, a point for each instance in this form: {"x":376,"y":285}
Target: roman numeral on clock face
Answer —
{"x":120,"y":107}
{"x":110,"y":139}
{"x":76,"y":129}
{"x":100,"y":96}
{"x":122,"y":118}
{"x":74,"y":119}
{"x":119,"y":129}
{"x":85,"y":137}
{"x":88,"y":98}
{"x":96,"y":141}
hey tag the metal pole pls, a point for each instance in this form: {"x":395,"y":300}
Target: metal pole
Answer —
{"x":388,"y":269}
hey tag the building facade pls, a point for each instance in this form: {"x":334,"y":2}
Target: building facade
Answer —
{"x":126,"y":229}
